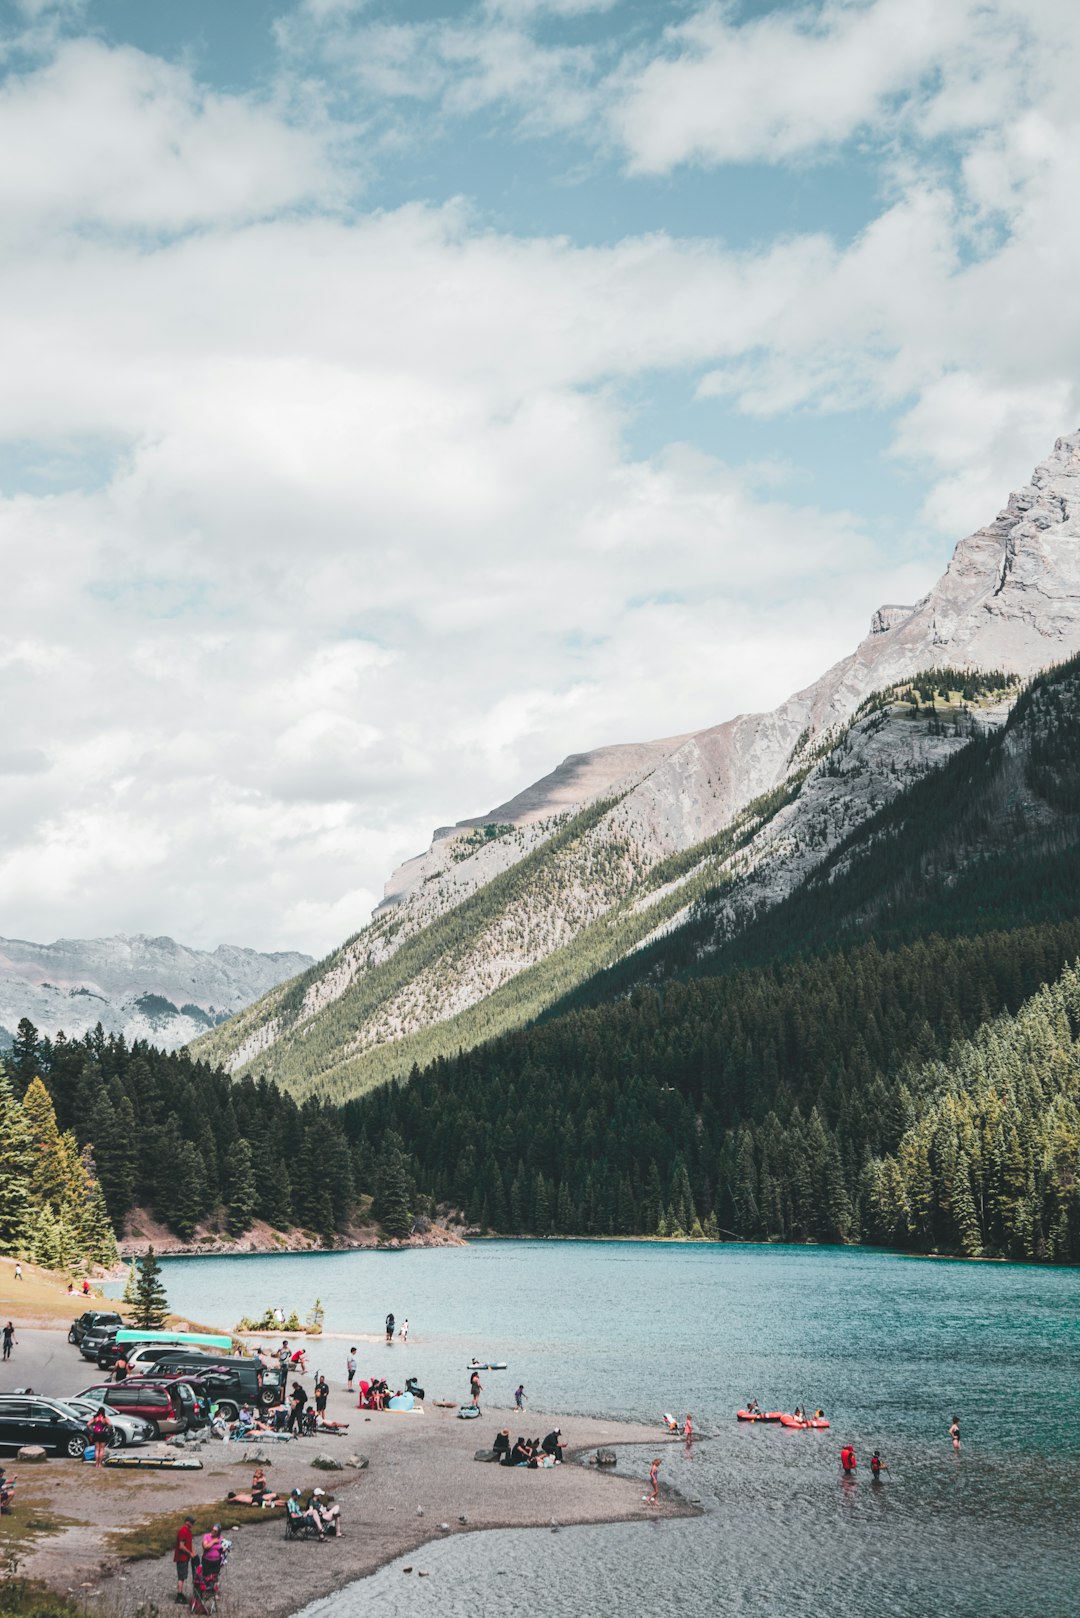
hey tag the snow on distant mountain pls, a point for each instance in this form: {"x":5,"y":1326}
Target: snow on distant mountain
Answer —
{"x":144,"y":988}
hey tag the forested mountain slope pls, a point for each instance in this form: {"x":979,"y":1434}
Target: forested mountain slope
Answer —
{"x":506,"y":915}
{"x":811,"y":1079}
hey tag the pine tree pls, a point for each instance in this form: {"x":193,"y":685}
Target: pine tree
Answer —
{"x":240,"y":1192}
{"x":49,"y":1169}
{"x":393,"y":1205}
{"x":16,"y":1167}
{"x":151,"y":1305}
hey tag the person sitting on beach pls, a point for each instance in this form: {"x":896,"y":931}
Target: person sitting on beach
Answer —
{"x":259,"y":1489}
{"x":328,"y":1513}
{"x":553,"y":1444}
{"x":298,"y":1360}
{"x":519,"y":1455}
{"x":299,"y":1513}
{"x":501,"y":1445}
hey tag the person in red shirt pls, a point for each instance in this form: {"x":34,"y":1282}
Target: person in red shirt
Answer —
{"x":847,"y":1458}
{"x":182,"y":1554}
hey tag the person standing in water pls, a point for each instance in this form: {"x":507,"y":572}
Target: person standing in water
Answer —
{"x":877,"y":1466}
{"x":654,"y":1484}
{"x":390,"y":1328}
{"x":688,"y":1429}
{"x":404,"y":1332}
{"x":954,"y":1432}
{"x":848,"y":1463}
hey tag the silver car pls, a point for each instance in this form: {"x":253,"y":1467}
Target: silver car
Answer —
{"x":128,"y":1429}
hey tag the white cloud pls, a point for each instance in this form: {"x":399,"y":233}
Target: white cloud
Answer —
{"x":115,"y":138}
{"x":365,"y":548}
{"x":801,"y":78}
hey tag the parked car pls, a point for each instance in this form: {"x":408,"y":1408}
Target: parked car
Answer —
{"x":167,"y":1408}
{"x":91,"y":1317}
{"x":94,"y":1339}
{"x":128,"y":1429}
{"x":28,"y":1419}
{"x":226,"y":1384}
{"x":242,"y":1381}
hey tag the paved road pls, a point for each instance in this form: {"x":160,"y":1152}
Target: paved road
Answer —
{"x":46,"y":1362}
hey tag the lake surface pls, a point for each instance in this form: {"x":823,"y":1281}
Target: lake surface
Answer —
{"x":891,"y":1347}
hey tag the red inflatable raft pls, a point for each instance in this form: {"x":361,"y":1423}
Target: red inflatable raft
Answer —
{"x":758,"y":1415}
{"x":817,"y":1422}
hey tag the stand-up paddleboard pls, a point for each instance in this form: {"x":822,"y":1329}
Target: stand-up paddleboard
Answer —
{"x":199,"y":1339}
{"x":151,"y":1463}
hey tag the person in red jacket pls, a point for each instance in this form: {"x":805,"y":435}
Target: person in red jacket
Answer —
{"x":182,"y":1554}
{"x":847,"y":1458}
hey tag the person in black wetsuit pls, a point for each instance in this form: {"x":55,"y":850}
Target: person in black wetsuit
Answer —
{"x":553,"y":1444}
{"x":297,"y":1402}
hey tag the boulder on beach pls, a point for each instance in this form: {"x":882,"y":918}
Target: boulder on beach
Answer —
{"x":30,"y":1454}
{"x":605,"y":1457}
{"x":485,"y":1455}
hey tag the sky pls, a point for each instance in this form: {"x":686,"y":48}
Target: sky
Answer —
{"x":398,"y":396}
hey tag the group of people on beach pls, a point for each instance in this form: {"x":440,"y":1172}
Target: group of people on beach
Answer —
{"x":530,"y":1452}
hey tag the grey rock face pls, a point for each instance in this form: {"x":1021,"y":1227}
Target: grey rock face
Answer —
{"x":144,"y":988}
{"x":1009,"y":600}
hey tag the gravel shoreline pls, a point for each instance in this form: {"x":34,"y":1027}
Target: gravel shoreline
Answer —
{"x":421,"y":1474}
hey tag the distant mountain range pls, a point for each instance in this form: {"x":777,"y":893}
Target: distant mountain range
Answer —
{"x":506,"y":914}
{"x":143,"y":988}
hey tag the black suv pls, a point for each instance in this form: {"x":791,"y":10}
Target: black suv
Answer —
{"x":230,"y":1382}
{"x":27,"y":1419}
{"x":92,"y":1317}
{"x":95,"y":1338}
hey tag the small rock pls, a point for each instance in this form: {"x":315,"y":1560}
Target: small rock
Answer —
{"x":328,"y":1463}
{"x":445,"y":1526}
{"x":406,"y":1570}
{"x":485,"y":1455}
{"x":31,"y":1454}
{"x":422,"y":1574}
{"x":419,"y":1511}
{"x":606,"y":1457}
{"x":463,"y":1519}
{"x":359,"y":1461}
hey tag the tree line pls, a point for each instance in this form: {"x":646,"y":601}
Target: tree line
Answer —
{"x":162,"y":1131}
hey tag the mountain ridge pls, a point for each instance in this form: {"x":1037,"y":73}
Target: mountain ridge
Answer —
{"x":140,"y":985}
{"x":1009,"y":601}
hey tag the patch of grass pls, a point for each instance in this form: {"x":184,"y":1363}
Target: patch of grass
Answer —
{"x":31,"y":1518}
{"x":156,"y":1536}
{"x":26,"y":1598}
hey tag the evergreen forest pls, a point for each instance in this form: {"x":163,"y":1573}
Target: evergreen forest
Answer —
{"x":859,"y":1065}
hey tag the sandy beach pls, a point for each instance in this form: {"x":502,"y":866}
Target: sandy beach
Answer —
{"x":420,"y":1475}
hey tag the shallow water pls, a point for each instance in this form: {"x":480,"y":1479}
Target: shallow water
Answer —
{"x":891,"y":1347}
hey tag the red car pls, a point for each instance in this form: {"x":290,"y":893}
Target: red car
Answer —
{"x":169,"y":1407}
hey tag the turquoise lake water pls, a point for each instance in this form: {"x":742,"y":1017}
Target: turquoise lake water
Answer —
{"x":891,"y":1347}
